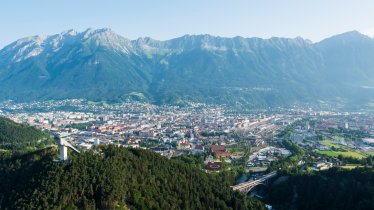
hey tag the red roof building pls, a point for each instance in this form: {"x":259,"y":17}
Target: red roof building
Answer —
{"x":220,"y":151}
{"x":214,"y":165}
{"x":222,"y":154}
{"x":218,"y":148}
{"x":199,"y":147}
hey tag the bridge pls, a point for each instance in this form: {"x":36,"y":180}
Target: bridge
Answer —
{"x":245,"y":187}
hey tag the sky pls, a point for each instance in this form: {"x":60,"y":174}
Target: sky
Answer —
{"x":166,"y":19}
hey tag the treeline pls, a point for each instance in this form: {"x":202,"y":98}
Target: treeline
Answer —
{"x":332,"y":189}
{"x":208,"y":134}
{"x":289,"y":163}
{"x":81,"y":126}
{"x":113,"y":178}
{"x":194,"y":160}
{"x":286,"y":133}
{"x":368,"y":161}
{"x":15,"y":136}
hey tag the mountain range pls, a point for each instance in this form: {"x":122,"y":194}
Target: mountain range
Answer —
{"x":101,"y":65}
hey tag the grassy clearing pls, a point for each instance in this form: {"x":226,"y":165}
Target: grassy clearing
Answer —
{"x":349,"y":152}
{"x":235,"y":150}
{"x":370,"y":153}
{"x":237,"y":153}
{"x":351,"y":166}
{"x":330,"y":144}
{"x":346,"y":154}
{"x":329,"y":153}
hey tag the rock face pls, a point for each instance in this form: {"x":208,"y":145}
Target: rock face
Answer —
{"x":101,"y":65}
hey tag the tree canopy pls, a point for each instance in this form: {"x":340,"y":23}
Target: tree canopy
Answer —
{"x":113,"y":178}
{"x":332,"y":189}
{"x":15,"y":136}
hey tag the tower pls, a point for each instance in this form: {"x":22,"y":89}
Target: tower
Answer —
{"x":63,"y":153}
{"x":63,"y":146}
{"x":97,"y":142}
{"x":307,"y":125}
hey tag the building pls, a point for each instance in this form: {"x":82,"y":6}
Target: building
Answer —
{"x":184,"y":146}
{"x":218,"y":148}
{"x":220,"y":151}
{"x":322,"y":165}
{"x":368,"y":141}
{"x":307,"y":125}
{"x":198,"y":149}
{"x":214,"y":165}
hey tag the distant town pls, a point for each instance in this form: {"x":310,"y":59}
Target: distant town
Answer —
{"x":224,"y":137}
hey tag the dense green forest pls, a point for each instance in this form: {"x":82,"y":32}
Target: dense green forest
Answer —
{"x":113,"y":178}
{"x":332,"y":189}
{"x":14,"y":136}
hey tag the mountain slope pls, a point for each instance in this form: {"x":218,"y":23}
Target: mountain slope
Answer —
{"x":261,"y":70}
{"x":15,"y":136}
{"x":115,"y":178}
{"x":89,"y":64}
{"x":101,"y":65}
{"x":349,"y":61}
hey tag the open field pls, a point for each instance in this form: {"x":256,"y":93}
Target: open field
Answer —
{"x":330,"y":144}
{"x":351,"y":166}
{"x":236,"y":150}
{"x":370,"y":153}
{"x":349,"y":152}
{"x":346,"y":154}
{"x":256,"y":169}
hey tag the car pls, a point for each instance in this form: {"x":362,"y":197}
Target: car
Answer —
{"x":250,"y":164}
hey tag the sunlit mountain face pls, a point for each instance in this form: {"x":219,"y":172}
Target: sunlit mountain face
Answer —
{"x":102,"y":65}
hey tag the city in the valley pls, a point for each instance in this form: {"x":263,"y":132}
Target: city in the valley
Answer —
{"x":250,"y":141}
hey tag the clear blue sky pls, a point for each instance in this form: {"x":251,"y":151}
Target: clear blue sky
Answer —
{"x":165,"y":19}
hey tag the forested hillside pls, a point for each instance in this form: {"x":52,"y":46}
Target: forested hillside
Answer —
{"x":332,"y":189}
{"x":113,"y":178}
{"x":15,"y":136}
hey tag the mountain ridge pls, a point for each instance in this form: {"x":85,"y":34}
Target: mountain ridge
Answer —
{"x":88,"y":33}
{"x":102,"y":65}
